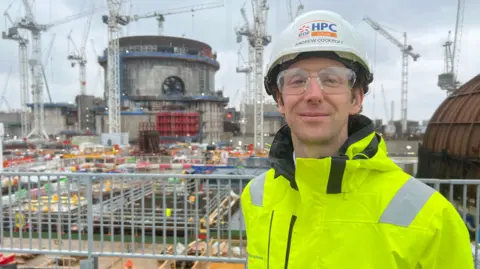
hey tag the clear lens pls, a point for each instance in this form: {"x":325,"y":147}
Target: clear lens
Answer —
{"x":331,"y":80}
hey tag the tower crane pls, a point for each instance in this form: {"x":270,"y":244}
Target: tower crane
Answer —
{"x":2,"y":98}
{"x":29,"y":23}
{"x":390,"y":127}
{"x":258,"y":39}
{"x":300,"y":8}
{"x":79,"y":57}
{"x":244,"y":67}
{"x":15,"y":34}
{"x":385,"y":105}
{"x":160,"y":16}
{"x":114,"y":22}
{"x":247,"y":67}
{"x":448,"y":81}
{"x":407,"y":50}
{"x":45,"y":64}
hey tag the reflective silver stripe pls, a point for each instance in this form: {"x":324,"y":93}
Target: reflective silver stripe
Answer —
{"x":256,"y":189}
{"x":407,"y":203}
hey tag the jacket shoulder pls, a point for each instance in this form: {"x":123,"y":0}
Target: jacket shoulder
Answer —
{"x":449,"y":244}
{"x":254,"y":191}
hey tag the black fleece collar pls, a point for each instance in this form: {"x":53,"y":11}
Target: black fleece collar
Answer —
{"x":281,"y":151}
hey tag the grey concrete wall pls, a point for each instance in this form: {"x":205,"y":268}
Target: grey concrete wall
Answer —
{"x":10,"y":117}
{"x":85,"y":105}
{"x":129,"y":123}
{"x":54,"y":121}
{"x":142,"y":77}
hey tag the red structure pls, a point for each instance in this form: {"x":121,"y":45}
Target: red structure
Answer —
{"x":178,"y":123}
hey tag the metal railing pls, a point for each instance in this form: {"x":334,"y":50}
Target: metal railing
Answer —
{"x":168,"y":217}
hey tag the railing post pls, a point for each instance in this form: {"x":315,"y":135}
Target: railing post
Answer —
{"x":89,"y":263}
{"x":89,"y":217}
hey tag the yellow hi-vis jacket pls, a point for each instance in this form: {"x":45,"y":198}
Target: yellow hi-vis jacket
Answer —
{"x":358,"y":210}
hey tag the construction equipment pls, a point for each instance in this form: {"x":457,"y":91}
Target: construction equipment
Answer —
{"x":257,"y":39}
{"x":390,"y":127}
{"x":45,"y":64}
{"x":16,"y":35}
{"x":29,"y":23}
{"x":115,"y":21}
{"x":79,"y":57}
{"x":300,"y":8}
{"x":407,"y":50}
{"x":448,"y":81}
{"x":160,"y":16}
{"x":244,"y":67}
{"x":2,"y":98}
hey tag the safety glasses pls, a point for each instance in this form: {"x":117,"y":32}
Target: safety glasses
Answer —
{"x":332,"y":80}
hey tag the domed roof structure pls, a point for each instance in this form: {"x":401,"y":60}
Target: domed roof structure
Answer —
{"x":451,"y":144}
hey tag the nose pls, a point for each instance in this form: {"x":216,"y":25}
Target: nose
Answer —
{"x":314,"y":92}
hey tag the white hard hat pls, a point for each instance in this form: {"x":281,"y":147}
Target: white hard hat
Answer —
{"x":318,"y":31}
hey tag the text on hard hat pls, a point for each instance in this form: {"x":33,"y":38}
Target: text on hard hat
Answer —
{"x":318,"y":28}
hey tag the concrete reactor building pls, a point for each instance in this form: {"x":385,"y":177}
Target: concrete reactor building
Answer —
{"x":170,"y":83}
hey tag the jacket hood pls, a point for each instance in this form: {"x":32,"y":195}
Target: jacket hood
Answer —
{"x":363,"y":151}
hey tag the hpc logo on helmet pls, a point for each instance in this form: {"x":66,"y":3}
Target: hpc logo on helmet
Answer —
{"x":304,"y":31}
{"x":318,"y":28}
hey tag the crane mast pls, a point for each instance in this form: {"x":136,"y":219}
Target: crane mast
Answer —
{"x":114,"y":22}
{"x":300,"y":8}
{"x":258,"y":39}
{"x":79,"y":57}
{"x":29,"y":23}
{"x":406,"y":50}
{"x":14,"y":34}
{"x":244,"y":68}
{"x":458,"y":37}
{"x":448,"y":81}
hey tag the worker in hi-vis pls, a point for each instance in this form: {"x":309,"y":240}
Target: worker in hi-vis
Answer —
{"x":332,"y":198}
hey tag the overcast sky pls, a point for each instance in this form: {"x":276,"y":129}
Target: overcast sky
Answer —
{"x":427,"y":23}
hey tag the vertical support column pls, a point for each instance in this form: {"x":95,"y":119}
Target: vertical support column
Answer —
{"x":258,"y":106}
{"x":24,"y":89}
{"x":90,"y":218}
{"x":404,"y":90}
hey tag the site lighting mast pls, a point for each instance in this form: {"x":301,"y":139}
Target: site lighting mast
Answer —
{"x":258,"y":39}
{"x":16,"y":34}
{"x":406,"y":50}
{"x":29,"y":23}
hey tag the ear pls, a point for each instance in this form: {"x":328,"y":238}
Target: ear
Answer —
{"x":357,"y":101}
{"x":280,"y":106}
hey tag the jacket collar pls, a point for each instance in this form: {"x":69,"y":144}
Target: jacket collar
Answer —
{"x":360,"y":128}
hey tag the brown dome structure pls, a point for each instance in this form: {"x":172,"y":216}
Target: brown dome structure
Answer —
{"x":451,"y":144}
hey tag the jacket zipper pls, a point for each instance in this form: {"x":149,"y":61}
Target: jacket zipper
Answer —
{"x":289,"y":242}
{"x":269,"y":234}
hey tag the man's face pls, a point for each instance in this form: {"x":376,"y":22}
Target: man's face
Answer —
{"x":318,"y":114}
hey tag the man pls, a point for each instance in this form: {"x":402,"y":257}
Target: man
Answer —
{"x":332,"y":198}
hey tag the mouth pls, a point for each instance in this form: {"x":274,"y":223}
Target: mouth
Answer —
{"x":313,"y":115}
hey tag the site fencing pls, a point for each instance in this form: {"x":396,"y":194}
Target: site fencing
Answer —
{"x":167,"y":217}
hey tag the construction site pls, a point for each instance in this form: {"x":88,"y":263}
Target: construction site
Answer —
{"x":148,"y":171}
